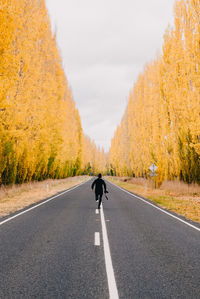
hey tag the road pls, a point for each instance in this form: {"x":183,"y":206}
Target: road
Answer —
{"x":53,"y":250}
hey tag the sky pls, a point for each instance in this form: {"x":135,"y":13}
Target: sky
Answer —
{"x":104,"y":45}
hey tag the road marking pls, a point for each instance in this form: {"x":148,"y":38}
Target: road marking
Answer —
{"x":96,"y":239}
{"x":97,"y":211}
{"x":156,"y":207}
{"x":40,"y":204}
{"x":113,"y":292}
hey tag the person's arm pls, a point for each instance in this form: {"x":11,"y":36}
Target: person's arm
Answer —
{"x":105,"y":188}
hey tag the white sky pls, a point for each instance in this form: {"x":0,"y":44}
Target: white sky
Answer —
{"x":104,"y":45}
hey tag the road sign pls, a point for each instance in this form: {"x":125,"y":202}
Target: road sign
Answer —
{"x":153,"y":167}
{"x":153,"y":174}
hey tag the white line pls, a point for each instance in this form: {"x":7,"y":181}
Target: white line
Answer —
{"x":156,"y":207}
{"x":40,"y":204}
{"x":96,"y":239}
{"x":97,"y":211}
{"x":113,"y":292}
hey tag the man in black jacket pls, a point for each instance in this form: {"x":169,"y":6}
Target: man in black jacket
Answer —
{"x":99,"y":184}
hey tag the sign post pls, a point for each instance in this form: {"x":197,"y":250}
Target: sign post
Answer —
{"x":153,"y":173}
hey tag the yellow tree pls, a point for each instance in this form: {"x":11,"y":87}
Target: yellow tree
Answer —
{"x":40,"y":128}
{"x":163,"y":109}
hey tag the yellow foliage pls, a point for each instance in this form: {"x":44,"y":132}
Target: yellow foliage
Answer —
{"x":163,"y":117}
{"x":40,"y":129}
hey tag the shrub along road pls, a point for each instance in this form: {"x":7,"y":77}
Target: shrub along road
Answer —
{"x":54,"y":251}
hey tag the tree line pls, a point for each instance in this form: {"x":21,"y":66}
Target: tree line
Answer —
{"x":40,"y":128}
{"x":161,"y":123}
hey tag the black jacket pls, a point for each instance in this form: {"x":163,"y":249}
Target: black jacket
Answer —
{"x":99,"y":183}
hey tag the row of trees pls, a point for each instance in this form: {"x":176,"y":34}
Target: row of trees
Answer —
{"x":162,"y":121}
{"x":40,"y":128}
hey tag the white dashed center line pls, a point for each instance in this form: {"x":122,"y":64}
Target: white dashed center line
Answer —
{"x":96,"y":239}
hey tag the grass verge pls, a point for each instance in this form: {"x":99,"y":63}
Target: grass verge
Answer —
{"x":174,"y":196}
{"x":16,"y":197}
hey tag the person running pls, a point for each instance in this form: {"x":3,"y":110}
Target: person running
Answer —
{"x":99,"y":185}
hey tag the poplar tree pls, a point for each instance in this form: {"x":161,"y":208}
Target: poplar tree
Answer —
{"x":40,"y":128}
{"x":163,"y":119}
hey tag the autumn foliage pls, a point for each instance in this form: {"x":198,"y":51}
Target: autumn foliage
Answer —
{"x":161,"y":124}
{"x":40,"y":129}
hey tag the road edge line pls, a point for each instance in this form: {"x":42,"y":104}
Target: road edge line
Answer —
{"x":113,"y":292}
{"x":40,"y":204}
{"x":156,"y":207}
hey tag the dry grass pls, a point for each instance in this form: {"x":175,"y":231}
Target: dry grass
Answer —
{"x":181,"y":189}
{"x":19,"y":196}
{"x":175,"y":196}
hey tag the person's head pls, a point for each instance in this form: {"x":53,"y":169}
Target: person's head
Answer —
{"x":99,"y":175}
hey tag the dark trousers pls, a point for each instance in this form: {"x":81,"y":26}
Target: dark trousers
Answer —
{"x":99,"y":198}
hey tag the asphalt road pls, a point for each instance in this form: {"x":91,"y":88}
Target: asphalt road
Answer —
{"x":49,"y":251}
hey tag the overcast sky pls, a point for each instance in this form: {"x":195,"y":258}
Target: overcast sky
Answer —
{"x":104,"y":45}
